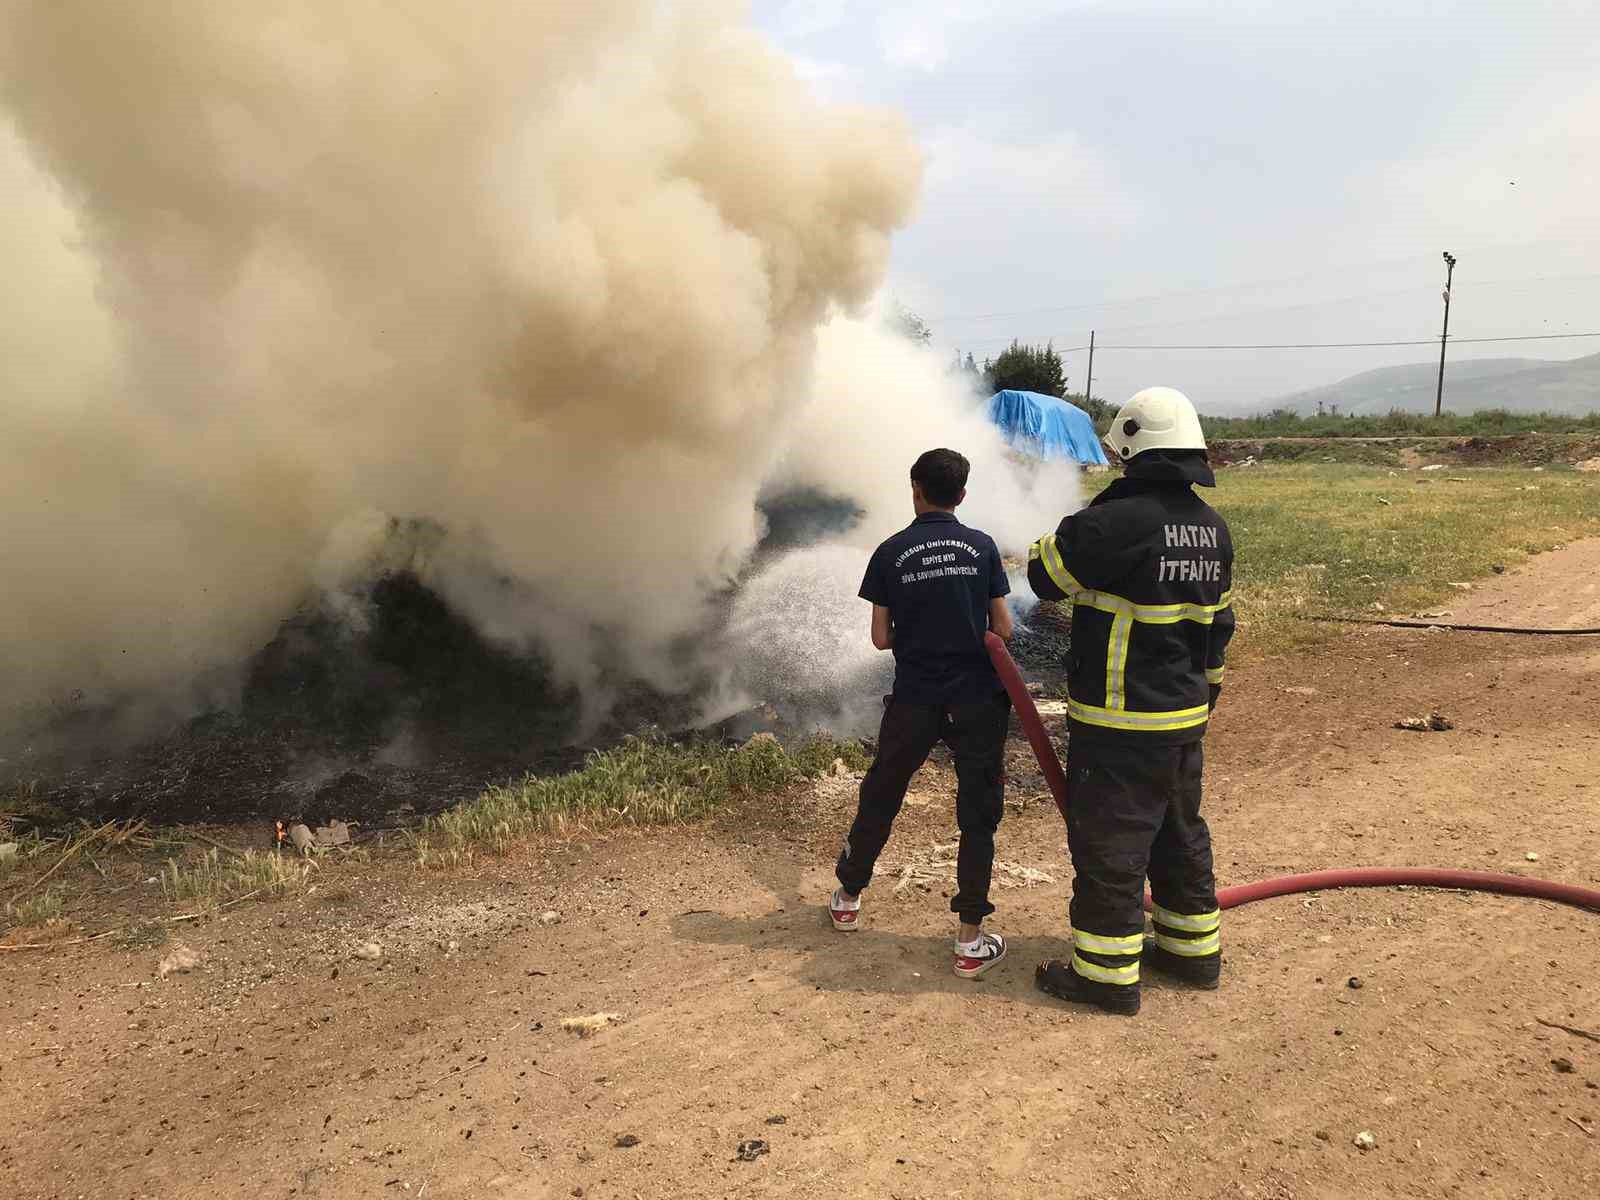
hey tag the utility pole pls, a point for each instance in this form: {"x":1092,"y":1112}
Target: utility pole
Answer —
{"x":1088,"y":395}
{"x":1449,"y":273}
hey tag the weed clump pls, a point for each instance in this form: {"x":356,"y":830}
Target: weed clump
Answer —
{"x":644,"y":781}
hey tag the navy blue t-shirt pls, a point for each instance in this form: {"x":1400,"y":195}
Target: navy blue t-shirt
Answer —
{"x":936,"y":578}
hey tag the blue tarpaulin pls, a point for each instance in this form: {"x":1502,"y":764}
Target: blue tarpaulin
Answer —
{"x":1046,"y":427}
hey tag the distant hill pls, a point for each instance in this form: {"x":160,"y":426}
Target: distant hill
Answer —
{"x":1523,"y":385}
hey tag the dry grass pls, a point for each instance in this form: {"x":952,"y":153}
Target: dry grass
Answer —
{"x":644,"y":781}
{"x":216,"y":878}
{"x":590,"y":1025}
{"x":35,"y":910}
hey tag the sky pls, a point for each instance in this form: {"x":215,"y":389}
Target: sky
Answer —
{"x":1175,"y":173}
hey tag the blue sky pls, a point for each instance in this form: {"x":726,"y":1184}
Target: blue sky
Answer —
{"x":1168,"y":172}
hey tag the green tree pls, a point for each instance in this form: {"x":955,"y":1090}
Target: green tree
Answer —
{"x":1027,"y":369}
{"x":1100,"y":412}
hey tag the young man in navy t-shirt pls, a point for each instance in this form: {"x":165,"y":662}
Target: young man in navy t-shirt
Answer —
{"x":936,"y":588}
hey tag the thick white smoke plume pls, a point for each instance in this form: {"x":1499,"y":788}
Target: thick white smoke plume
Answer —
{"x":878,"y":402}
{"x":545,"y":277}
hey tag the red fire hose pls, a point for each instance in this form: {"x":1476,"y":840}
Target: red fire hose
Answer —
{"x":1286,"y":885}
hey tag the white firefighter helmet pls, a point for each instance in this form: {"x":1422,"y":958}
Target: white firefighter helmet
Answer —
{"x":1158,"y":418}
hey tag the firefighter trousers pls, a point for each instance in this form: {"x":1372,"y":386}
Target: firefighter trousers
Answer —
{"x":1134,"y":812}
{"x":976,"y":735}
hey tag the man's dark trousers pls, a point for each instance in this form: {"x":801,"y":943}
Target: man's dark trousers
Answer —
{"x":976,"y":735}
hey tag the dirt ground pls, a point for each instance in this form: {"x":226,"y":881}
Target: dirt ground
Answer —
{"x":283,"y":1066}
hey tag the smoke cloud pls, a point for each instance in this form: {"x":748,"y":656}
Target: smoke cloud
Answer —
{"x":534,"y":299}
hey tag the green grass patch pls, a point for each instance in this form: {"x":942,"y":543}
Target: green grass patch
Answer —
{"x":1486,"y":423}
{"x":644,"y":781}
{"x":1344,"y":539}
{"x":215,"y":877}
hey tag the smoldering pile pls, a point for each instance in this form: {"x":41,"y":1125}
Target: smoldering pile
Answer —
{"x":562,"y":290}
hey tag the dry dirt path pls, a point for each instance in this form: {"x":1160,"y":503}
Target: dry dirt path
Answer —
{"x":283,"y":1067}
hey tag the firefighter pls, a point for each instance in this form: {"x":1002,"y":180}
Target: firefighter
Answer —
{"x":1148,"y":567}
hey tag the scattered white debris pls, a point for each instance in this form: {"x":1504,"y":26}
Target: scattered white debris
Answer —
{"x":590,"y":1025}
{"x":1434,"y":467}
{"x":912,"y":876}
{"x":1462,"y":587}
{"x":1366,"y":1141}
{"x":1532,"y":856}
{"x":940,"y":867}
{"x":370,"y":951}
{"x":1300,"y":691}
{"x":1027,"y":876}
{"x":550,"y":917}
{"x":1051,"y":708}
{"x":180,"y":961}
{"x":1432,"y":723}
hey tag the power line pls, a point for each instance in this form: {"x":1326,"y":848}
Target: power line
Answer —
{"x":949,"y":318}
{"x":1527,"y":337}
{"x":1276,"y":309}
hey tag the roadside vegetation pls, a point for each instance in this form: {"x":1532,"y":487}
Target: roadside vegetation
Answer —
{"x":644,"y":781}
{"x":1497,"y":422}
{"x":218,"y":877}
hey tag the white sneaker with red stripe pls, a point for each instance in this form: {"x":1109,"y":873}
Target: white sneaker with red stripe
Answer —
{"x":976,"y":958}
{"x":846,"y":912}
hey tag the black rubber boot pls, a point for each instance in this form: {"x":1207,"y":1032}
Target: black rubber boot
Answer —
{"x":1203,"y":972}
{"x":1058,"y":979}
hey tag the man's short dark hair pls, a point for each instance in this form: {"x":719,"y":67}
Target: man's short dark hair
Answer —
{"x":942,"y":474}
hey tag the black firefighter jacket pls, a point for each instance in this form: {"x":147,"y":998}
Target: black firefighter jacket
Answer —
{"x":1148,"y":566}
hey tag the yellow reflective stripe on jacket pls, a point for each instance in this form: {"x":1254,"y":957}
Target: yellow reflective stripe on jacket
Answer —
{"x":1117,"y":661}
{"x":1150,"y":614}
{"x":1198,"y":947}
{"x":1189,"y":923}
{"x":1108,"y":718}
{"x":1049,"y":553}
{"x":1096,"y":944}
{"x":1089,"y":970}
{"x":1124,"y":615}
